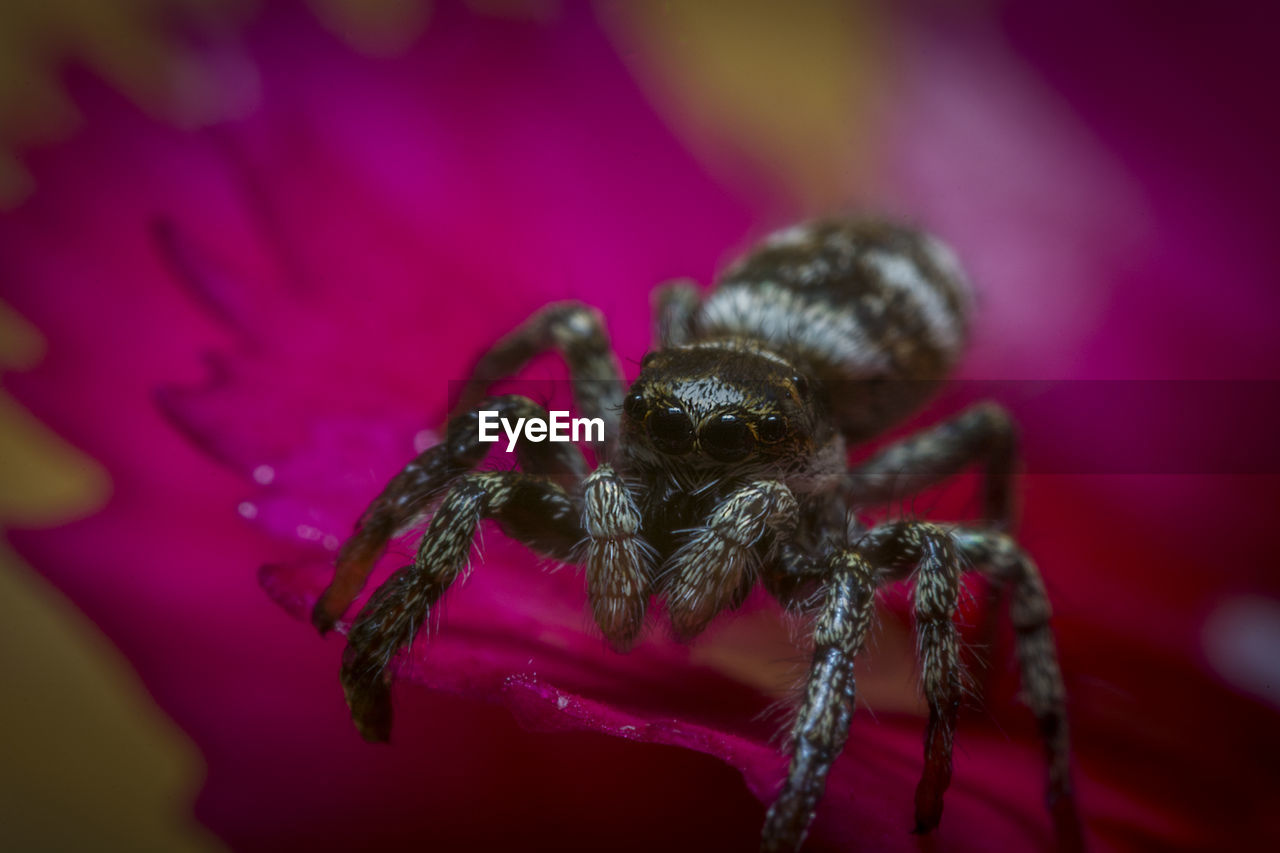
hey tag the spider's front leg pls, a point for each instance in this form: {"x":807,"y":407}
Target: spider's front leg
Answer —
{"x":983,"y":433}
{"x":717,"y":567}
{"x":531,"y":509}
{"x":423,"y":480}
{"x":822,"y":725}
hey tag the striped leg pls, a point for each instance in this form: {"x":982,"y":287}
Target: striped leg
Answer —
{"x":577,"y":332}
{"x":423,"y":480}
{"x":1042,"y":686}
{"x":930,"y":551}
{"x":822,"y":724}
{"x":530,"y":509}
{"x":675,"y":305}
{"x":983,"y":434}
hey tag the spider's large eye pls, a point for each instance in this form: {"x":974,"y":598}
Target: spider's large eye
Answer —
{"x":726,"y":439}
{"x":772,"y":429}
{"x":634,"y":406}
{"x":671,"y":430}
{"x":800,"y":384}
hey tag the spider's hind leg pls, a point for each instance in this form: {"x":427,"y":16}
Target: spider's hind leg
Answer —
{"x":578,"y":333}
{"x":423,"y":480}
{"x":675,"y":304}
{"x":531,"y":509}
{"x":982,"y":434}
{"x":931,"y":552}
{"x":1029,"y":610}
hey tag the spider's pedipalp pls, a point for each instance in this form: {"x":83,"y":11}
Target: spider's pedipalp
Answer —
{"x":532,"y":509}
{"x":708,"y":573}
{"x":411,"y":492}
{"x":619,"y":561}
{"x":822,"y":724}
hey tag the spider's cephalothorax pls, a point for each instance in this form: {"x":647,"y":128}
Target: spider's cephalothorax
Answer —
{"x":725,"y":464}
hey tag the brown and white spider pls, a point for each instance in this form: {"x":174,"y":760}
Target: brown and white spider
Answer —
{"x":724,"y":464}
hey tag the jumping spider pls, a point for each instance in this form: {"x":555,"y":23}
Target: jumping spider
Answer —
{"x":724,"y":464}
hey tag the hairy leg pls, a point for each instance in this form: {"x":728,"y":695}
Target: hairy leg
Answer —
{"x":822,"y":724}
{"x":709,"y":572}
{"x":531,"y":509}
{"x":675,"y":305}
{"x":796,"y":572}
{"x":411,"y":492}
{"x":619,"y":561}
{"x":1029,"y":610}
{"x":930,"y":551}
{"x":984,"y":434}
{"x":577,"y":332}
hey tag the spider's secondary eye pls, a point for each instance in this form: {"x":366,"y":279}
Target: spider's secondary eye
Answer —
{"x":726,"y":439}
{"x":634,"y":406}
{"x":801,"y":385}
{"x":772,"y":429}
{"x":648,"y":359}
{"x":671,"y":430}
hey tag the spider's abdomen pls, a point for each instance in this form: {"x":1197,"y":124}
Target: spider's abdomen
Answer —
{"x":876,"y":313}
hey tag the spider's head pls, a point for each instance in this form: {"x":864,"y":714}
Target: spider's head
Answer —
{"x":720,"y":402}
